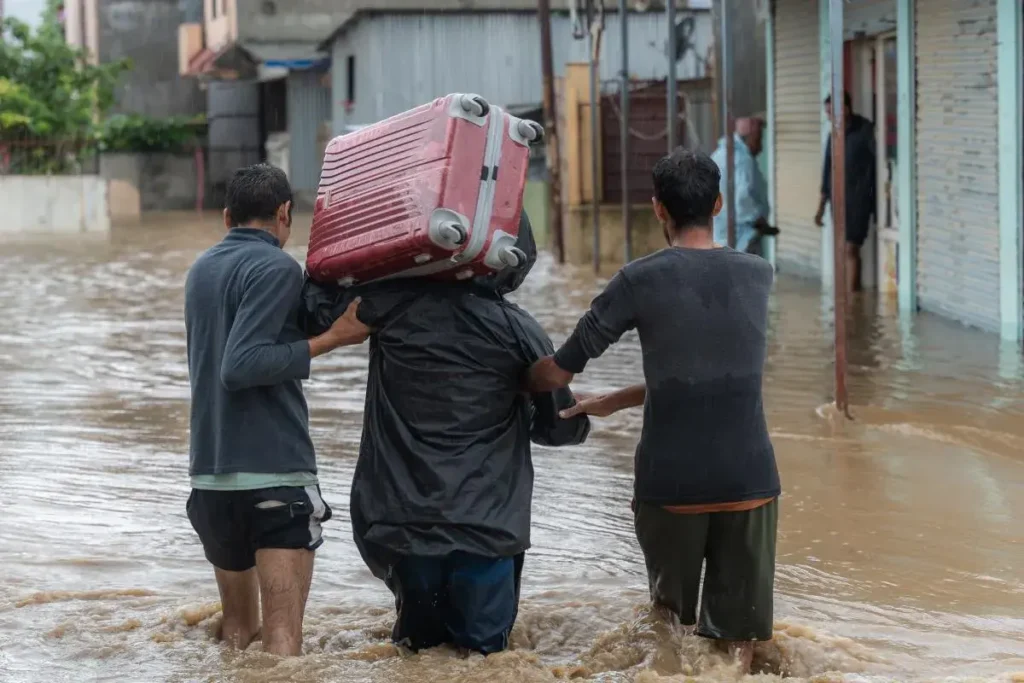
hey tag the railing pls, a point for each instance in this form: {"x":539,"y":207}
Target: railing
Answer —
{"x":24,"y":154}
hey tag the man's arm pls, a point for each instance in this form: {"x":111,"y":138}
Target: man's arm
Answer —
{"x":826,"y":184}
{"x":253,"y":356}
{"x":607,"y":404}
{"x":546,"y":427}
{"x":750,"y":209}
{"x":611,"y":315}
{"x":551,"y":426}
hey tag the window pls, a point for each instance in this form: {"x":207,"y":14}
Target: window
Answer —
{"x":214,"y":6}
{"x":350,"y":87}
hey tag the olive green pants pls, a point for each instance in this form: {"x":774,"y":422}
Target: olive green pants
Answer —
{"x":739,"y":578}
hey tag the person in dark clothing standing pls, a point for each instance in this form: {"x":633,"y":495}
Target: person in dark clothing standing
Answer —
{"x":255,"y":500}
{"x":860,"y":186}
{"x":706,"y":482}
{"x":442,"y":491}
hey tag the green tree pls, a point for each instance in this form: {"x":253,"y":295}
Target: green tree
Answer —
{"x":47,"y":87}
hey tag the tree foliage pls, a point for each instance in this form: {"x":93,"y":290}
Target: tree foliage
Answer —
{"x":47,"y":87}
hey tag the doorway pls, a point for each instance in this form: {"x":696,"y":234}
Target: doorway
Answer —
{"x":870,"y":75}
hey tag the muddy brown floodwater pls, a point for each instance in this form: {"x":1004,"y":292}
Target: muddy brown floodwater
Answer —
{"x":901,"y":536}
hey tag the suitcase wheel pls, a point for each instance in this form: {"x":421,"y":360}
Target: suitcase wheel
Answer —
{"x":475,"y":105}
{"x":531,"y":131}
{"x":452,"y":232}
{"x":513,"y":257}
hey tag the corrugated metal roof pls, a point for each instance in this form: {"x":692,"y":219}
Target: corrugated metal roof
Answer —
{"x":355,"y":8}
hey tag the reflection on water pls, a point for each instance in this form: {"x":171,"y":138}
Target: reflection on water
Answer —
{"x":901,"y":538}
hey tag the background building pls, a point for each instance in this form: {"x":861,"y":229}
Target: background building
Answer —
{"x":941,"y":79}
{"x":146,"y":32}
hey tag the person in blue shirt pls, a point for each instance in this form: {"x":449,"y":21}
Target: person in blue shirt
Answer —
{"x":752,"y":208}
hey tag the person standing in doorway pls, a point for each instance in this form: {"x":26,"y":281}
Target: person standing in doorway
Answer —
{"x":706,"y":483}
{"x":751,"y":190}
{"x":255,"y":500}
{"x":860,"y":186}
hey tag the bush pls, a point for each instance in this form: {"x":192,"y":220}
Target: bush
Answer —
{"x":137,"y":133}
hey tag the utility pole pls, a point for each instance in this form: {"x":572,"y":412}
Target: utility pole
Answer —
{"x":838,"y":200}
{"x":671,"y":87}
{"x":554,"y":150}
{"x":624,"y":150}
{"x":728,"y":125}
{"x":595,"y":18}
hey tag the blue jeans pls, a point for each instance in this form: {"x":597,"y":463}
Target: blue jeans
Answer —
{"x":460,"y":599}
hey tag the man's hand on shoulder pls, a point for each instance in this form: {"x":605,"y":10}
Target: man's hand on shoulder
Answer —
{"x":347,"y":330}
{"x":545,"y":376}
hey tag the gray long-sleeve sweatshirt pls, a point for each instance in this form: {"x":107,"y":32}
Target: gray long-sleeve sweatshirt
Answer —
{"x":246,"y":359}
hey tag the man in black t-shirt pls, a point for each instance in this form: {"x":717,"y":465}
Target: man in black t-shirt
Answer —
{"x":706,"y":483}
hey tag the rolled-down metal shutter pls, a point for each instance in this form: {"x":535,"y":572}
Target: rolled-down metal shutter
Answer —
{"x":798,"y":148}
{"x":957,"y":152}
{"x":309,"y":105}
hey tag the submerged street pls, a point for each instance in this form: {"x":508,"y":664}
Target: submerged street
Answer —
{"x":901,"y":537}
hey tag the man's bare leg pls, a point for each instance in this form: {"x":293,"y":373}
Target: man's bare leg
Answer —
{"x":240,"y":600}
{"x":284,"y":576}
{"x":853,"y":267}
{"x":743,"y":651}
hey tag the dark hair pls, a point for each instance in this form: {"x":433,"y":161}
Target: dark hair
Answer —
{"x":846,"y":100}
{"x":687,"y":182}
{"x":256,"y":192}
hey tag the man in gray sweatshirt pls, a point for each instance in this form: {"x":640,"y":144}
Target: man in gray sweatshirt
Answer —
{"x":255,"y":500}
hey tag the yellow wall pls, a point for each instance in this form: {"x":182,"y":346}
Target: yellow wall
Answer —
{"x":579,"y":241}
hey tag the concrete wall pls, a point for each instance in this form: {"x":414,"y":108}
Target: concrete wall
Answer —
{"x":54,"y":204}
{"x":579,"y":235}
{"x":747,"y":45}
{"x":149,"y":182}
{"x":291,"y":20}
{"x":146,"y":31}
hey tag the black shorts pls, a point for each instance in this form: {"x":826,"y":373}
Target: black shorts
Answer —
{"x":739,"y":579}
{"x":233,"y":525}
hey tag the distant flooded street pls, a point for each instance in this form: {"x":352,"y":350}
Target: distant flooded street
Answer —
{"x":901,"y":548}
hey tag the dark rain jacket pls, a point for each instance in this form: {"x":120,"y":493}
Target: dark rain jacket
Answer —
{"x":860,"y":177}
{"x":444,"y":462}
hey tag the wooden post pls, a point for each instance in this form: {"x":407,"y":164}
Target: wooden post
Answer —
{"x":554,"y":152}
{"x":627,"y":226}
{"x":728,"y":125}
{"x":671,"y":86}
{"x":596,"y":17}
{"x":838,"y":200}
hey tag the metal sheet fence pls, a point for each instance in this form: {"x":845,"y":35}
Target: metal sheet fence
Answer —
{"x":648,"y":133}
{"x":24,"y":154}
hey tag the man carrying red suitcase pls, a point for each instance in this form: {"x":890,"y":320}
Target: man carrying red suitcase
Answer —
{"x":441,"y":493}
{"x":255,"y":501}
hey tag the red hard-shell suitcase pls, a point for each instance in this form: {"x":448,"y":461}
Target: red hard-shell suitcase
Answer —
{"x":436,"y":191}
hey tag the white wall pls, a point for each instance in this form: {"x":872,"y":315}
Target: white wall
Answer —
{"x":54,"y":204}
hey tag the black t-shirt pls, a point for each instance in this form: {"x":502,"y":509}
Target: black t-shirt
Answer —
{"x":702,"y":318}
